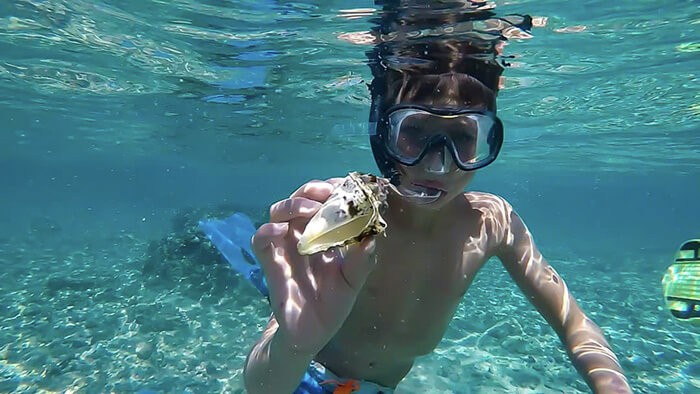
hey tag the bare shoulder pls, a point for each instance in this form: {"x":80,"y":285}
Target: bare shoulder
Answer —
{"x":490,"y":204}
{"x":496,"y":213}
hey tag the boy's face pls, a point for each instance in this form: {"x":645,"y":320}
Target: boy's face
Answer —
{"x":447,"y":137}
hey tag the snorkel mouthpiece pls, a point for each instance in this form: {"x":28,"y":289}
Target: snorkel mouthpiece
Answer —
{"x":418,"y":194}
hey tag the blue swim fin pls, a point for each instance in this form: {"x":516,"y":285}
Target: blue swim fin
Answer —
{"x":232,"y":238}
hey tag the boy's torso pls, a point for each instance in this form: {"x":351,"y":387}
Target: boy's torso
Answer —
{"x":411,"y":296}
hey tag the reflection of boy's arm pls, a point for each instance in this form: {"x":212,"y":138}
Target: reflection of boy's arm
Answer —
{"x":272,"y":366}
{"x":546,"y":290}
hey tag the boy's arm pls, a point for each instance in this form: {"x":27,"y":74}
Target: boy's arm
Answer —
{"x":273,"y":366}
{"x":546,"y":290}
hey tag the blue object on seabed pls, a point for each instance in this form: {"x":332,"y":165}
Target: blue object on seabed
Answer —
{"x":232,"y":237}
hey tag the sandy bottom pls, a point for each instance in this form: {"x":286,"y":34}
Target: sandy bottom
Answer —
{"x":115,"y":314}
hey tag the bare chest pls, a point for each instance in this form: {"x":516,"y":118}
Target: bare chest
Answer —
{"x":411,"y":296}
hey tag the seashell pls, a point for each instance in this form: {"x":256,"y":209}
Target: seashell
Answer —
{"x":351,"y":213}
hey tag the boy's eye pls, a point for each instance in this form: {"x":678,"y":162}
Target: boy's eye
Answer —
{"x":409,"y":146}
{"x":414,"y":134}
{"x":465,"y":141}
{"x":413,"y":130}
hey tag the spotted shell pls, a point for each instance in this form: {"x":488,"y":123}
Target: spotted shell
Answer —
{"x":351,"y":213}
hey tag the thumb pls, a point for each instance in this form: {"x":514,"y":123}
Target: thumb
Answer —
{"x":358,"y":262}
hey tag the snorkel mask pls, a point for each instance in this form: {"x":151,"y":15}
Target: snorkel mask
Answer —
{"x":473,"y":137}
{"x":405,"y":134}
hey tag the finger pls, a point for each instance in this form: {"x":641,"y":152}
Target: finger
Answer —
{"x":267,"y":234}
{"x":268,"y":245}
{"x":358,"y":262}
{"x":292,"y":208}
{"x":336,"y":181}
{"x":314,"y":190}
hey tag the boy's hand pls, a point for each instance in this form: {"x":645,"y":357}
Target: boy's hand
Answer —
{"x":311,"y":296}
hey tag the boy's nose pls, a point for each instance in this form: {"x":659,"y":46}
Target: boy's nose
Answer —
{"x":438,"y":160}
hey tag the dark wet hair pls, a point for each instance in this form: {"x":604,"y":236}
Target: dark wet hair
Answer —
{"x":417,"y":68}
{"x":451,"y":89}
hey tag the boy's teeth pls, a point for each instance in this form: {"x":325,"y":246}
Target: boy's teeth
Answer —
{"x":420,"y":194}
{"x":424,"y":190}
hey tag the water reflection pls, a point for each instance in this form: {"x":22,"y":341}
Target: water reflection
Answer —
{"x":295,"y":52}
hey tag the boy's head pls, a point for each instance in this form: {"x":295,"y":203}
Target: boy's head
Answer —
{"x":436,"y":76}
{"x":433,"y":131}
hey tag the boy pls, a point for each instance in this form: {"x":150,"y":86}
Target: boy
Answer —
{"x":355,"y":319}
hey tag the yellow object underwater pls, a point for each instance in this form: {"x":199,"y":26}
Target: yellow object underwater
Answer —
{"x":682,"y":284}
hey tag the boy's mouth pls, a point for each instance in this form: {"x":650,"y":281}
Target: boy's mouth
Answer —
{"x":430,"y":185}
{"x":420,"y":194}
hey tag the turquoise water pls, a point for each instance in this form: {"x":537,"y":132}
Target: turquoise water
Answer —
{"x":124,"y":122}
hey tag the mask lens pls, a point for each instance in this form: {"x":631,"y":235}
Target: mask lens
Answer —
{"x":472,"y":145}
{"x":409,"y":135}
{"x":413,"y":131}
